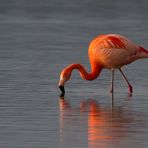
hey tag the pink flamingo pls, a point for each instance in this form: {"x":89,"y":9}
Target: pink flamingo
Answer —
{"x":109,"y":51}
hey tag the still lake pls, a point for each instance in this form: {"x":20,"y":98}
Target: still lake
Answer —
{"x":37,"y":40}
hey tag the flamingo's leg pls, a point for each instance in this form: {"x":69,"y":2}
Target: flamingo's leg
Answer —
{"x":130,"y":88}
{"x":112,"y":82}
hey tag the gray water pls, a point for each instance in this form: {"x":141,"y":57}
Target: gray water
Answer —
{"x":37,"y":40}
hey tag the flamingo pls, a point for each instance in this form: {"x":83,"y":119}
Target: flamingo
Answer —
{"x":107,"y":51}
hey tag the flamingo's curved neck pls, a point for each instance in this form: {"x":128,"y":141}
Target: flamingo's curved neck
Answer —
{"x":95,"y":71}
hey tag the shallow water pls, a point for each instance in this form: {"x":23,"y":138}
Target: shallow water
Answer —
{"x":38,"y":39}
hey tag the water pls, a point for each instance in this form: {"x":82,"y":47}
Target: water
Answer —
{"x":38,"y":39}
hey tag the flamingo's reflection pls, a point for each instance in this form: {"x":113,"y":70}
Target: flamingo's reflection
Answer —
{"x":104,"y":124}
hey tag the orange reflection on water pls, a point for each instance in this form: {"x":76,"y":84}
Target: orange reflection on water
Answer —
{"x":106,"y":125}
{"x":97,"y":124}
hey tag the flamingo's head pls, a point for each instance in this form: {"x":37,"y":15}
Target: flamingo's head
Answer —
{"x":64,"y":77}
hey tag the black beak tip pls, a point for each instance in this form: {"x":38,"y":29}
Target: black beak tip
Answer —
{"x":62,"y":90}
{"x":62,"y":96}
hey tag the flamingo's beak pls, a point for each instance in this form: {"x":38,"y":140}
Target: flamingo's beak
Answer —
{"x":61,"y":87}
{"x":62,"y":90}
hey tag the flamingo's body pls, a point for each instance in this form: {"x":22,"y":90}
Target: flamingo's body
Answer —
{"x":112,"y":51}
{"x":106,"y":51}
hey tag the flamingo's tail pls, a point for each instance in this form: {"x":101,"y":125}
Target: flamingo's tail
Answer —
{"x":143,"y":52}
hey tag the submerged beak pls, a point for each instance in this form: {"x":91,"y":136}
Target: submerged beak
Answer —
{"x":62,"y":90}
{"x":61,"y":87}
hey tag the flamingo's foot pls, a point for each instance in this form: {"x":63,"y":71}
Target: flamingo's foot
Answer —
{"x":111,"y":94}
{"x":130,"y":89}
{"x":111,"y":91}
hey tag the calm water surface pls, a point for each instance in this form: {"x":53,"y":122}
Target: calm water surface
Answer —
{"x":38,"y":39}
